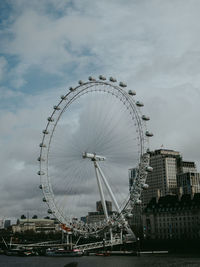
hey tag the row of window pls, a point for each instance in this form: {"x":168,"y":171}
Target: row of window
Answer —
{"x":178,"y":231}
{"x":179,"y":224}
{"x":169,"y":236}
{"x":178,"y":218}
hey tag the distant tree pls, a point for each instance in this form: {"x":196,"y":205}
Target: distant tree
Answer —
{"x":34,"y":217}
{"x":23,"y":216}
{"x":47,"y":217}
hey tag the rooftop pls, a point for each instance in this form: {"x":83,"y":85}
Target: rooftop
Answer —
{"x":172,"y":203}
{"x":165,"y":152}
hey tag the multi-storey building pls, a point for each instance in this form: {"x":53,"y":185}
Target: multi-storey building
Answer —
{"x":189,"y":182}
{"x":99,"y":206}
{"x":132,"y":176}
{"x":94,"y":217}
{"x":98,"y":215}
{"x":36,"y":225}
{"x":1,"y":223}
{"x":163,"y":177}
{"x":135,"y":221}
{"x":172,"y":217}
{"x":168,"y":168}
{"x":171,"y":178}
{"x":7,"y":223}
{"x":186,"y":166}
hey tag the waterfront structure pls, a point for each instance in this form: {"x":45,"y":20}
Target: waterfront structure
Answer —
{"x":1,"y":223}
{"x":94,"y":216}
{"x":165,"y":164}
{"x":98,"y":215}
{"x":35,"y":225}
{"x":99,"y":206}
{"x":172,"y":217}
{"x":168,"y":166}
{"x":7,"y":223}
{"x":101,"y":93}
{"x":132,"y":176}
{"x":186,"y":166}
{"x":172,"y":178}
{"x":189,"y":182}
{"x":135,"y":221}
{"x":188,"y":178}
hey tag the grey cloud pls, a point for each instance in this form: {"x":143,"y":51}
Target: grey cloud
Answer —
{"x":152,"y":45}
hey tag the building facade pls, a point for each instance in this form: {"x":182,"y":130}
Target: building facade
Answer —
{"x":132,"y":176}
{"x":189,"y":181}
{"x":99,"y":206}
{"x":7,"y":223}
{"x":98,"y":215}
{"x":186,"y":166}
{"x":172,"y":217}
{"x":163,"y":177}
{"x":35,"y":225}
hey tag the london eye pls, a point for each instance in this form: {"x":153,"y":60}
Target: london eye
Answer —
{"x":94,"y":135}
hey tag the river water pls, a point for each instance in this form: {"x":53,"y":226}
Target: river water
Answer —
{"x":100,"y":261}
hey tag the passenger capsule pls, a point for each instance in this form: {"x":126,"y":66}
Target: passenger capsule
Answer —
{"x":80,"y":82}
{"x":90,"y":78}
{"x":131,"y":92}
{"x":145,"y":186}
{"x":40,"y":186}
{"x":63,"y":97}
{"x":101,"y":77}
{"x":49,"y":211}
{"x":138,"y":201}
{"x":145,"y":118}
{"x":50,"y":119}
{"x":40,"y":173}
{"x":149,"y":134}
{"x":149,"y":169}
{"x":122,"y":84}
{"x":113,"y":79}
{"x":40,"y":159}
{"x":71,"y":89}
{"x":42,"y":145}
{"x":45,"y":132}
{"x":56,"y":107}
{"x":44,"y":199}
{"x":139,"y":104}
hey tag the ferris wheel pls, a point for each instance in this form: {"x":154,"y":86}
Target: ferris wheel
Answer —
{"x":95,"y":134}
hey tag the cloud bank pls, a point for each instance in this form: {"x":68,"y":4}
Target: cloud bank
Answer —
{"x":47,"y":46}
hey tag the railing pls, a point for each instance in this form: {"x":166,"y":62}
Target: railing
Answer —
{"x":83,"y":247}
{"x":106,"y":243}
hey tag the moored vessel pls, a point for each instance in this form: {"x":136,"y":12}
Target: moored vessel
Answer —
{"x":61,"y":252}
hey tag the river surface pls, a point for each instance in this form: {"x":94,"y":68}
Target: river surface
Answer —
{"x":100,"y":261}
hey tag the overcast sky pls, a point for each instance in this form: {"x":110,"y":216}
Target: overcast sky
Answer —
{"x":48,"y":45}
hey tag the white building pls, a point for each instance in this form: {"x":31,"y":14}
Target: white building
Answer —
{"x":189,"y":181}
{"x":163,"y":177}
{"x":172,"y":217}
{"x":36,"y":225}
{"x":1,"y":223}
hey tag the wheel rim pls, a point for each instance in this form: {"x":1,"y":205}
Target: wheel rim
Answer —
{"x":52,"y":165}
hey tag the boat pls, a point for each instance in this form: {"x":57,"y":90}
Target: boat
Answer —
{"x":27,"y":252}
{"x":105,"y":254}
{"x":61,"y":252}
{"x":12,"y":252}
{"x":20,"y":252}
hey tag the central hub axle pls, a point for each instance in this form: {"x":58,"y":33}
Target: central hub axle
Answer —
{"x":93,"y":156}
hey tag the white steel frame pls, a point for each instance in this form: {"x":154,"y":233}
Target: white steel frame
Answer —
{"x":143,"y":158}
